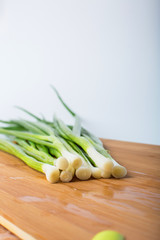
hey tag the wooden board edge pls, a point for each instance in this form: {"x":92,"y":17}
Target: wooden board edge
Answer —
{"x":15,"y":230}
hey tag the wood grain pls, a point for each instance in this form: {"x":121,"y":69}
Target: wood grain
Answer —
{"x":6,"y":235}
{"x":80,"y":209}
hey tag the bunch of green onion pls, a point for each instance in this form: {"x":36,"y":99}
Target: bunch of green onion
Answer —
{"x":58,"y":150}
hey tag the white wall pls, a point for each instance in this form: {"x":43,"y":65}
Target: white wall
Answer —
{"x":102,"y":55}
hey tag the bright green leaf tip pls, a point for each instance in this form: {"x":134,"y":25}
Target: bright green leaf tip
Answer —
{"x":63,"y":103}
{"x":108,"y":235}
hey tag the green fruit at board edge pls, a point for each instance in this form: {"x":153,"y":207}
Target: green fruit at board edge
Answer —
{"x":108,"y":235}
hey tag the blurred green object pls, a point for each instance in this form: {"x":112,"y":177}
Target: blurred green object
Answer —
{"x":108,"y":235}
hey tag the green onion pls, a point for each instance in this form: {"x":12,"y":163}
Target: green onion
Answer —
{"x":60,"y":151}
{"x":118,"y":171}
{"x":95,"y":171}
{"x":84,"y":171}
{"x":32,"y":151}
{"x":67,"y":174}
{"x":102,"y":162}
{"x":51,"y":172}
{"x":50,"y":141}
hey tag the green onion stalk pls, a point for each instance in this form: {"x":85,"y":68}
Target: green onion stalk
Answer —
{"x":67,"y":174}
{"x":31,"y":150}
{"x":58,"y":150}
{"x":51,"y":141}
{"x":61,"y":161}
{"x":73,"y":160}
{"x":105,"y":164}
{"x":84,"y":171}
{"x":52,"y":173}
{"x":118,"y":171}
{"x":95,"y":171}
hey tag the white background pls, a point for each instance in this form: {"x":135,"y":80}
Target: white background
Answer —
{"x":102,"y":56}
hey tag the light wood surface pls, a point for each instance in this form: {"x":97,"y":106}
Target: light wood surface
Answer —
{"x":80,"y":209}
{"x":6,"y":235}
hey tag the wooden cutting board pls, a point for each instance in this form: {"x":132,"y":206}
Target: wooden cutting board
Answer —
{"x":35,"y":209}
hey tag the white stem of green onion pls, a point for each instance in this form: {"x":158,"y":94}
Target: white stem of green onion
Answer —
{"x":102,"y":162}
{"x":105,"y":174}
{"x":96,"y":171}
{"x":62,"y":163}
{"x":83,"y":172}
{"x":73,"y":159}
{"x":118,"y":170}
{"x":52,"y":173}
{"x":67,"y":175}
